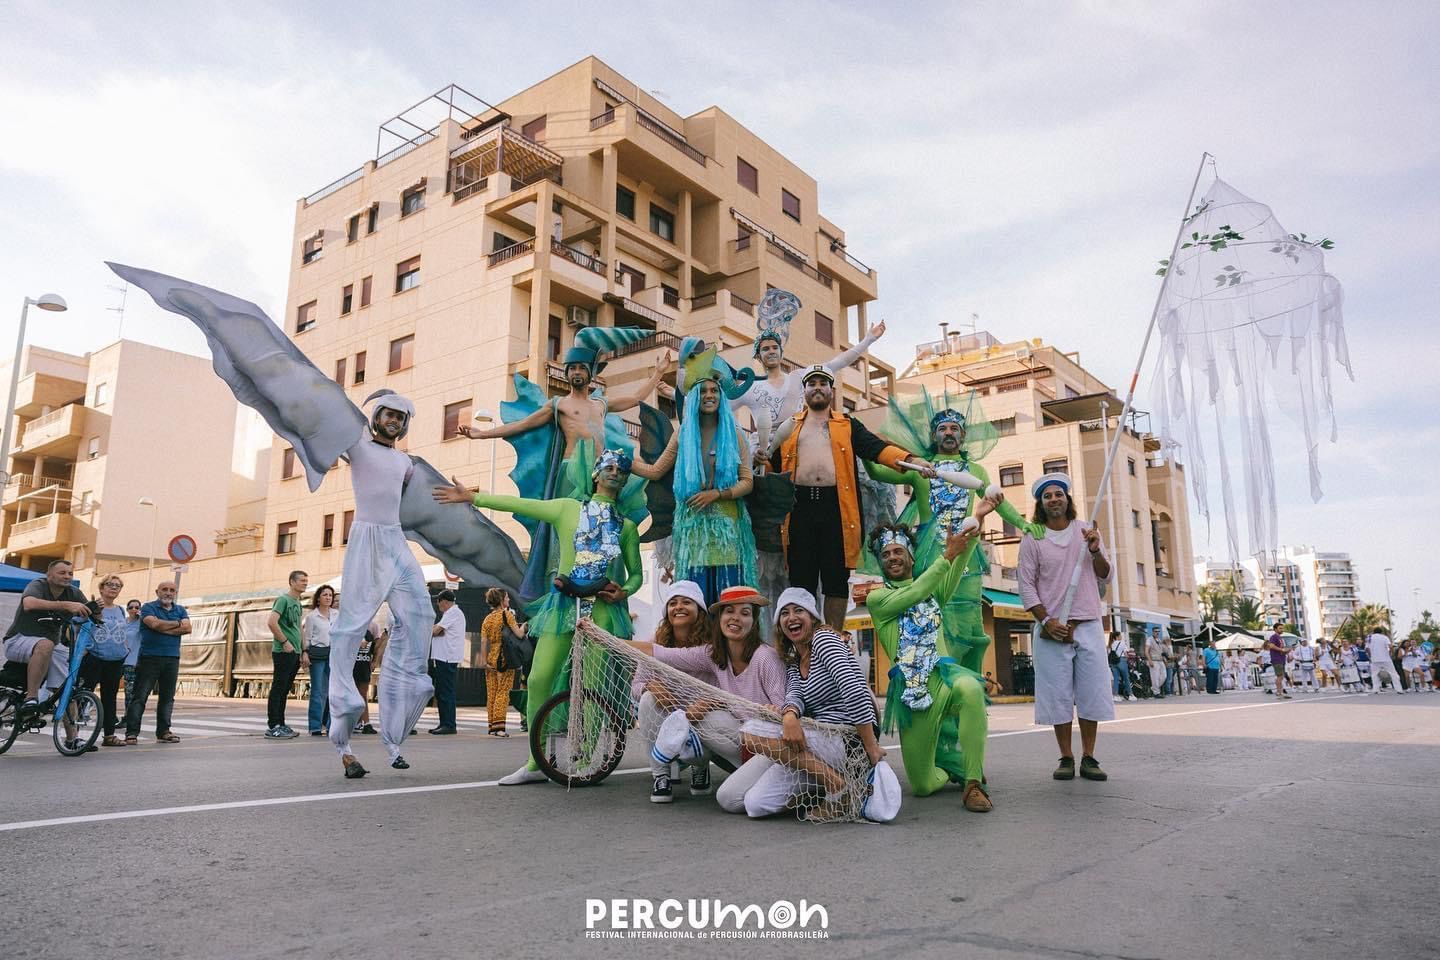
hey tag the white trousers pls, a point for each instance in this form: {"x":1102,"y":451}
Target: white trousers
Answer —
{"x":1306,"y":675}
{"x":1384,"y":665}
{"x":762,"y":787}
{"x":1072,"y":678}
{"x":379,"y":568}
{"x":719,"y":732}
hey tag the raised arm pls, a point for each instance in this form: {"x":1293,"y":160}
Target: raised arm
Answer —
{"x":843,"y":360}
{"x":546,"y":511}
{"x":889,"y":602}
{"x":619,"y":404}
{"x":663,"y":464}
{"x":782,"y":433}
{"x":903,"y":478}
{"x":534,"y":421}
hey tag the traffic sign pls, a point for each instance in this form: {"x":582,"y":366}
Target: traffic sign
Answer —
{"x":182,"y":548}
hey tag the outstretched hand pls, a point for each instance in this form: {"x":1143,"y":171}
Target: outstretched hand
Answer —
{"x":457,"y":492}
{"x":959,"y":541}
{"x":988,"y":505}
{"x":878,"y":330}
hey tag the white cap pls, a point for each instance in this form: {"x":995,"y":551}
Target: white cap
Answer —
{"x":883,"y":804}
{"x":1048,"y":479}
{"x":685,"y":588}
{"x":801,"y":598}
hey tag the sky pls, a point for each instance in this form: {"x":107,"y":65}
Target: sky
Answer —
{"x":1025,"y":162}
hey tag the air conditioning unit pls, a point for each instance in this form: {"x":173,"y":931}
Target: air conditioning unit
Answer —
{"x":579,"y":317}
{"x":1023,"y":353}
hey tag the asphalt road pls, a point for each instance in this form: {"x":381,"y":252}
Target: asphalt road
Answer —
{"x":1232,"y":826}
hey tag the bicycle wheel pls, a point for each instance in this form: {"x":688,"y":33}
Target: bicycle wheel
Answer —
{"x":596,"y":751}
{"x":9,"y":713}
{"x":83,"y":717}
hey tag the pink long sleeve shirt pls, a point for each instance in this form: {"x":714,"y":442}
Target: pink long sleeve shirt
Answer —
{"x":763,"y":681}
{"x":1044,"y":573}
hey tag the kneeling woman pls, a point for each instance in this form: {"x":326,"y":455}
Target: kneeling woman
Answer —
{"x":740,"y":663}
{"x":686,"y":627}
{"x":824,"y":683}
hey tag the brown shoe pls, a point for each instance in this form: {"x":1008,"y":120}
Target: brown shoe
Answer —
{"x":112,"y":741}
{"x":976,"y":800}
{"x":130,"y":741}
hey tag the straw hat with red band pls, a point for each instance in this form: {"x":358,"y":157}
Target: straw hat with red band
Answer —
{"x":739,"y":595}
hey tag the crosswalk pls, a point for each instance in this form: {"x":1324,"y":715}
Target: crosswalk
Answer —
{"x":207,"y":725}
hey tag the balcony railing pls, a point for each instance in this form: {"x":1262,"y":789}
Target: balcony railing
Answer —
{"x":331,"y":187}
{"x":823,"y":279}
{"x":603,"y":119}
{"x":470,"y":189}
{"x":669,"y":136}
{"x":660,"y":338}
{"x":33,"y":526}
{"x":511,"y":252}
{"x":838,"y":248}
{"x":740,"y":303}
{"x":578,"y":257}
{"x":703,"y":301}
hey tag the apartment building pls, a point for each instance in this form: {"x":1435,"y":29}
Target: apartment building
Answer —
{"x":1053,"y":415}
{"x":484,"y":236}
{"x":1329,"y":588}
{"x":95,"y":434}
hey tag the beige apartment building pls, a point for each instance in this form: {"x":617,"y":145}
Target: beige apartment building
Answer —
{"x":1329,"y":588}
{"x":1053,"y":415}
{"x":95,"y":434}
{"x":483,"y":237}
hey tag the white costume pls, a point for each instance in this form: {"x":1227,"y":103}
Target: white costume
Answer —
{"x":1378,"y":646}
{"x":1305,"y":665}
{"x":379,"y":568}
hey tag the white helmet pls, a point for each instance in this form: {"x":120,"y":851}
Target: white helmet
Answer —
{"x":389,"y":399}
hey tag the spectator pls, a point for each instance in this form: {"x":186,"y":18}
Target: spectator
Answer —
{"x":104,"y":664}
{"x":1172,"y":665}
{"x":1155,"y":657}
{"x":315,"y":631}
{"x":1212,"y":670}
{"x":993,"y":687}
{"x":1412,"y":662}
{"x":132,"y":640}
{"x":497,"y":682}
{"x":365,"y":658}
{"x":1120,"y":667}
{"x":1193,"y":670}
{"x":1275,"y":643}
{"x":1380,"y":661}
{"x":34,"y":634}
{"x":162,"y":623}
{"x":287,"y":652}
{"x":446,"y":652}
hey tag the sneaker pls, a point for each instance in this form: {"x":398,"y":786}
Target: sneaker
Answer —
{"x":276,"y":733}
{"x":1115,"y":697}
{"x":1066,"y":769}
{"x":523,"y":775}
{"x":700,"y":781}
{"x":661,"y":792}
{"x":317,"y":733}
{"x":288,"y":731}
{"x":1090,"y":769}
{"x":366,"y":729}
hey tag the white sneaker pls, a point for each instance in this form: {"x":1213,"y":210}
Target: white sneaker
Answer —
{"x":523,"y":775}
{"x":1115,"y":698}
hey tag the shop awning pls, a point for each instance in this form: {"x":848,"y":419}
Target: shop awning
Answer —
{"x":1140,"y":615}
{"x":1007,"y":604}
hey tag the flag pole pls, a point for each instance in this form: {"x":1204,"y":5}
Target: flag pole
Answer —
{"x":1104,"y":489}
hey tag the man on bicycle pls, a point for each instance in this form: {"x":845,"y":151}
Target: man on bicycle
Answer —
{"x":34,"y":635}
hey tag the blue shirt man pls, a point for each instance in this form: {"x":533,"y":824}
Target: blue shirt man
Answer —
{"x":153,"y":643}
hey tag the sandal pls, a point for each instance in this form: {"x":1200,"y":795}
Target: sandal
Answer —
{"x":112,"y":741}
{"x":499,"y":734}
{"x":130,"y":741}
{"x":167,"y":737}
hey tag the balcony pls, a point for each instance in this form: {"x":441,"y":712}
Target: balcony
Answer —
{"x":790,"y":257}
{"x":645,"y":120}
{"x":57,"y":433}
{"x":495,"y":150}
{"x":40,"y":535}
{"x":506,"y":254}
{"x":858,"y":281}
{"x":578,"y":257}
{"x":26,"y":487}
{"x":38,"y":391}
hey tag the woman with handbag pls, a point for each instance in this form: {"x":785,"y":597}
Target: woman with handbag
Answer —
{"x":315,"y":630}
{"x":500,"y":673}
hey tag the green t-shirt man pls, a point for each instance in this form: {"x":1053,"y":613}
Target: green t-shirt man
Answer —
{"x":291,"y":614}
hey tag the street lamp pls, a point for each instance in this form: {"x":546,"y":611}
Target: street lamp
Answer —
{"x":486,"y":417}
{"x":1389,"y":622}
{"x":54,"y":303}
{"x":154,"y":523}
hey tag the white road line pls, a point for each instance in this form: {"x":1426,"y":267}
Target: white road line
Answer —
{"x":475,"y":784}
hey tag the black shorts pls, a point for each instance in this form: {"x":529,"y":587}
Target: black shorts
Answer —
{"x":817,"y":542}
{"x":362,"y":676}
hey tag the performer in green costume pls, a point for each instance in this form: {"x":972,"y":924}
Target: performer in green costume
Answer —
{"x":597,"y":542}
{"x":938,"y":704}
{"x":953,"y":434}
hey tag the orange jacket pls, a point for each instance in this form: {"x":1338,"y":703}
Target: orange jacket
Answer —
{"x":848,"y":439}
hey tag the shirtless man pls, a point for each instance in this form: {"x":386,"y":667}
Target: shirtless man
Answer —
{"x":818,"y":447}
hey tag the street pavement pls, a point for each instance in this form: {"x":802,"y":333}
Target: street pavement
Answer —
{"x":1231,"y":826}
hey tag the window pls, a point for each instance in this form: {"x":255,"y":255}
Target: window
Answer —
{"x":1004,"y":427}
{"x":287,"y":463}
{"x":500,"y":242}
{"x":669,"y":295}
{"x":407,"y":275}
{"x":1130,"y":465}
{"x":305,"y":316}
{"x":1140,"y":574}
{"x":456,"y":414}
{"x":1012,"y":476}
{"x":347,"y":518}
{"x":1135,"y":519}
{"x":347,"y":298}
{"x":412,"y":200}
{"x":534,"y":130}
{"x":360,"y":367}
{"x":824,"y":329}
{"x":85,"y":502}
{"x":402,"y":353}
{"x":372,"y":218}
{"x":327,"y":532}
{"x":365,"y":285}
{"x":790,"y":205}
{"x":102,"y":394}
{"x":625,"y":202}
{"x":313,"y":248}
{"x":340,"y":371}
{"x":1011,"y":532}
{"x":746,"y":175}
{"x":285,"y":537}
{"x":1054,"y":466}
{"x":352,"y":229}
{"x":552,"y":339}
{"x":92,"y":450}
{"x":637,"y":279}
{"x":662,"y":223}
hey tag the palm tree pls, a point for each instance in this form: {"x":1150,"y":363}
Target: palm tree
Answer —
{"x":1215,"y":599}
{"x":1364,"y":622}
{"x":1247,"y":612}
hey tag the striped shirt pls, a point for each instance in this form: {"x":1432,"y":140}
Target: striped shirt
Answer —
{"x":835,"y":691}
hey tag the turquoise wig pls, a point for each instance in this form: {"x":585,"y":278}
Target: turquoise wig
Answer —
{"x":690,"y":463}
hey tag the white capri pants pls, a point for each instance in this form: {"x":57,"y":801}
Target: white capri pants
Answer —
{"x":719,"y":732}
{"x":762,"y":786}
{"x":1072,"y":678}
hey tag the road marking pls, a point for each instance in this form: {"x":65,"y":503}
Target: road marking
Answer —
{"x":476,"y":784}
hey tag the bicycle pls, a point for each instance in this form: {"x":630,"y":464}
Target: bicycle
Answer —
{"x":77,"y":714}
{"x":581,"y":747}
